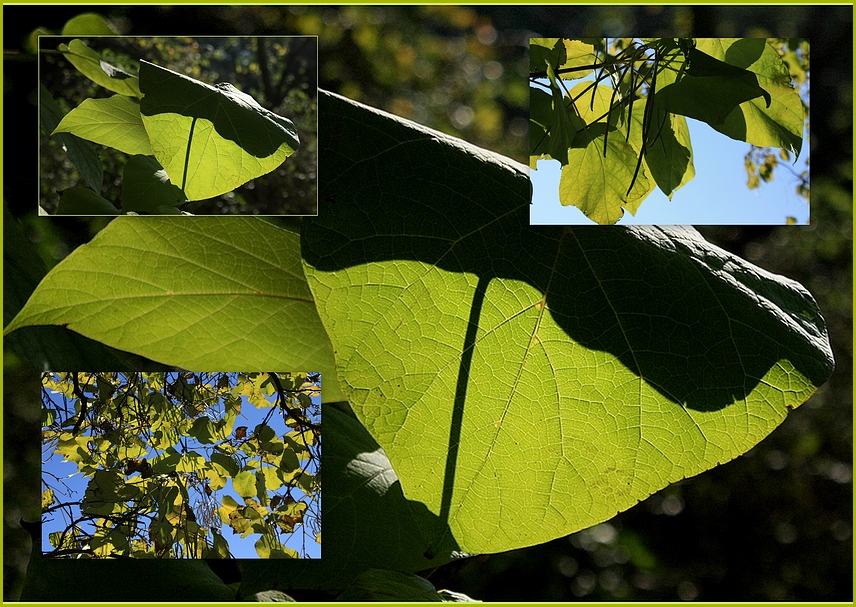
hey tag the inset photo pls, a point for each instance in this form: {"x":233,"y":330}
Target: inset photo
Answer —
{"x":669,"y":131}
{"x":178,"y":125}
{"x":181,"y":465}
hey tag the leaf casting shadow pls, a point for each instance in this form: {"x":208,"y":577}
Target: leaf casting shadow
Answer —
{"x":699,"y":324}
{"x":235,"y":115}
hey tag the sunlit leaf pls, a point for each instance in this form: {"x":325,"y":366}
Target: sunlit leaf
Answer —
{"x":114,"y":122}
{"x":232,"y":276}
{"x":210,"y":139}
{"x":620,"y":360}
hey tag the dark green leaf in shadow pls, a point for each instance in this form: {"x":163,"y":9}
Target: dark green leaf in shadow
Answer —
{"x":384,"y":585}
{"x":83,"y":201}
{"x":82,"y":153}
{"x":121,"y":581}
{"x":210,"y":139}
{"x":146,"y":186}
{"x":368,"y":523}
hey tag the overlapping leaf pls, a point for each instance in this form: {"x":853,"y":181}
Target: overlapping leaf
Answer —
{"x":570,"y":372}
{"x":89,"y":63}
{"x":201,"y":294}
{"x":114,"y":122}
{"x":363,"y":506}
{"x":741,"y":87}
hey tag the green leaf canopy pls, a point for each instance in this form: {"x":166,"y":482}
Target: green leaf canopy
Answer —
{"x":528,"y":382}
{"x":210,"y":139}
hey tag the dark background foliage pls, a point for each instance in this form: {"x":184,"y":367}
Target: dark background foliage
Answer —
{"x":774,"y":524}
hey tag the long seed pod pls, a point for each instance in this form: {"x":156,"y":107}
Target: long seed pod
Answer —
{"x":646,"y":119}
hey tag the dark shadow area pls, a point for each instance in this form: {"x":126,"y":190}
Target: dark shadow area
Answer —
{"x":235,"y":115}
{"x":686,"y":317}
{"x":368,"y":521}
{"x":458,"y":408}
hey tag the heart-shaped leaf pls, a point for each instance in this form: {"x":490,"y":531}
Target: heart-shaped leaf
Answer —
{"x":528,"y":382}
{"x":210,"y":139}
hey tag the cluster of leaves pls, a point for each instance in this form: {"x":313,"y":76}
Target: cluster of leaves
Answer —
{"x":740,"y":87}
{"x":176,"y":130}
{"x":114,"y":425}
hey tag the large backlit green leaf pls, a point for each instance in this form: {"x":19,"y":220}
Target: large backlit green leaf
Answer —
{"x":209,"y":293}
{"x":527,"y":382}
{"x":50,"y":347}
{"x":210,"y":139}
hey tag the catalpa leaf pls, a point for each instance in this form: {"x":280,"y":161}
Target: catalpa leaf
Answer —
{"x":198,"y":294}
{"x":89,"y":63}
{"x":575,"y":371}
{"x":210,"y":139}
{"x":114,"y":122}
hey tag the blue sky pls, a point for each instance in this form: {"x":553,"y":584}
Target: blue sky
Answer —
{"x":74,"y":484}
{"x":717,"y":195}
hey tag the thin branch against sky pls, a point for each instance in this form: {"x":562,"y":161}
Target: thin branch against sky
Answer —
{"x":717,"y":195}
